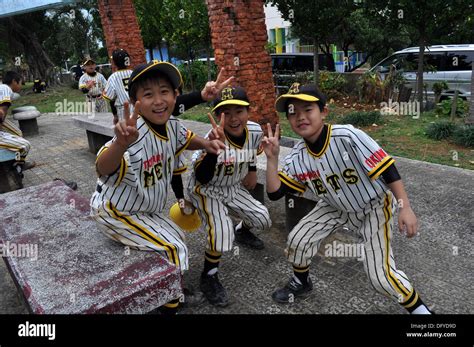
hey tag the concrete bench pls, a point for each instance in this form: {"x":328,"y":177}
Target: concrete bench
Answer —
{"x":62,"y":264}
{"x":10,"y":179}
{"x":296,"y":207}
{"x":26,"y":117}
{"x":99,"y":128}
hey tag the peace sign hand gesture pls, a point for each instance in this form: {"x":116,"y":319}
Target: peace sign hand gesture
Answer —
{"x":271,"y":143}
{"x":217,"y":131}
{"x":212,"y":89}
{"x":126,"y":130}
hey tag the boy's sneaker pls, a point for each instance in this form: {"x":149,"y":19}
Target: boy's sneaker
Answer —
{"x":245,"y":237}
{"x":292,"y":290}
{"x":213,"y":290}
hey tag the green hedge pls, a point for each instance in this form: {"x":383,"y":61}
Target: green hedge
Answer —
{"x":440,"y":130}
{"x":361,"y":118}
{"x":463,"y":135}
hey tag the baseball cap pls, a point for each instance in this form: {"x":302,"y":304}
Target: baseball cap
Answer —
{"x":119,"y":56}
{"x":87,"y":61}
{"x":307,"y":92}
{"x":162,"y":66}
{"x":231,"y":96}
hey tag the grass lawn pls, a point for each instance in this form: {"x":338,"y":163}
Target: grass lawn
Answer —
{"x":47,"y":102}
{"x":399,"y":135}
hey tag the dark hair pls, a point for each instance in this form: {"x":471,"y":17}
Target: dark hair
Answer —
{"x":11,"y":76}
{"x":150,"y":77}
{"x":119,"y":56}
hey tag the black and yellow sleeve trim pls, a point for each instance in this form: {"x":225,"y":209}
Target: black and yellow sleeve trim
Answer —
{"x":107,"y":97}
{"x":260,"y":150}
{"x":189,"y":136}
{"x":83,"y":86}
{"x":291,"y":182}
{"x":180,"y":170}
{"x":381,"y":167}
{"x":122,"y":171}
{"x":5,"y":101}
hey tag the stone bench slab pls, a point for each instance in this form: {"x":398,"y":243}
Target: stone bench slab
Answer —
{"x":76,"y":268}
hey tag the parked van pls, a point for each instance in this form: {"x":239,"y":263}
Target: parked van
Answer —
{"x":450,"y":63}
{"x":291,"y":63}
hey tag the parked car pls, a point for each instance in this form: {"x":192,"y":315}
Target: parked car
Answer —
{"x":291,"y":63}
{"x":450,"y":63}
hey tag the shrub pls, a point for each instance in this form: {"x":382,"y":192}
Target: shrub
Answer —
{"x":463,"y":135}
{"x":360,"y":118}
{"x":198,"y":70}
{"x":444,"y":107}
{"x":331,"y":84}
{"x":440,"y":130}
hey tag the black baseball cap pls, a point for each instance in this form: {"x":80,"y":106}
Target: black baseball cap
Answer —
{"x":87,"y":61}
{"x":307,"y":92}
{"x":164,"y":67}
{"x":119,"y":57}
{"x":231,"y":96}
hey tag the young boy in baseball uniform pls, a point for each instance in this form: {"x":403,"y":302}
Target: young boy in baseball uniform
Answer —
{"x":137,"y":166}
{"x":220,"y":183}
{"x":358,"y":187}
{"x":92,"y":84}
{"x":11,"y":137}
{"x":116,"y":89}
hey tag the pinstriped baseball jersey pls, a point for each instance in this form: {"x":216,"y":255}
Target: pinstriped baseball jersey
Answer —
{"x":141,"y":182}
{"x":117,"y":87}
{"x":5,"y":95}
{"x":100,"y":83}
{"x":232,"y":164}
{"x":345,"y":173}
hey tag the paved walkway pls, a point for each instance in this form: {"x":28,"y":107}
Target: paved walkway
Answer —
{"x":439,"y":261}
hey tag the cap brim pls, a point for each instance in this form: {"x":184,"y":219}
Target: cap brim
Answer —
{"x":281,"y":101}
{"x":231,"y":102}
{"x":168,"y":69}
{"x":87,"y":62}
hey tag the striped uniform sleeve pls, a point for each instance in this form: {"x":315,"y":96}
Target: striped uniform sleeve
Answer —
{"x":289,"y":174}
{"x":372,"y":157}
{"x":180,"y":165}
{"x":5,"y":95}
{"x":109,"y":90}
{"x":102,"y":82}
{"x":184,"y":137}
{"x":122,"y":175}
{"x":82,"y":83}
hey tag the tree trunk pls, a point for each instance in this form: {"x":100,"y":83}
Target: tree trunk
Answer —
{"x":36,"y":57}
{"x":454,"y":106}
{"x":316,"y":61}
{"x":470,"y":117}
{"x":168,"y":50}
{"x":419,"y":86}
{"x":151,"y":53}
{"x":208,"y":56}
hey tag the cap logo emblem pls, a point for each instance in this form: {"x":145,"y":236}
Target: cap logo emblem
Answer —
{"x":226,"y":94}
{"x":294,"y":89}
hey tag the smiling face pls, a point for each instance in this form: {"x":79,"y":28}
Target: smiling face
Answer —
{"x":157,"y":100}
{"x":236,"y":118}
{"x":306,"y":119}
